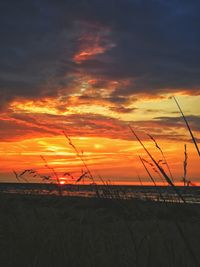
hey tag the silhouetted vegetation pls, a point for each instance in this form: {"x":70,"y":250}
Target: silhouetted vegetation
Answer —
{"x":60,"y":231}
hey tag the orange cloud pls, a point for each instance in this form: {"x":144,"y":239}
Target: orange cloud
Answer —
{"x":94,"y":41}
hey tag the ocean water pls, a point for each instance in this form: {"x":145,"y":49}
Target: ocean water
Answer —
{"x":159,"y":193}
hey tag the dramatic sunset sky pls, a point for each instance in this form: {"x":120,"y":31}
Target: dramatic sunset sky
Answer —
{"x":91,"y":68}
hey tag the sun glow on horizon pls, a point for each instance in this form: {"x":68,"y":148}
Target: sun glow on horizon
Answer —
{"x":63,"y":180}
{"x":114,"y":159}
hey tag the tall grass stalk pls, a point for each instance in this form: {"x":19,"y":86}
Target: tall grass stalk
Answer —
{"x":21,"y":176}
{"x":185,"y":165}
{"x":155,"y":170}
{"x":160,"y":169}
{"x":162,"y":153}
{"x":16,"y":176}
{"x":54,"y":174}
{"x":188,"y":126}
{"x":151,"y":177}
{"x":80,"y":156}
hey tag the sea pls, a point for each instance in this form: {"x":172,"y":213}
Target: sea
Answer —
{"x":188,"y":194}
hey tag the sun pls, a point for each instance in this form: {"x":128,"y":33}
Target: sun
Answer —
{"x":62,"y":181}
{"x":97,"y":146}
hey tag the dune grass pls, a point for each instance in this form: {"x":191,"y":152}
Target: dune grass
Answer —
{"x":188,"y":126}
{"x":58,"y":231}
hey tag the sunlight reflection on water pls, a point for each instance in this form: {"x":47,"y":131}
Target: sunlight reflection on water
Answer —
{"x":190,"y":194}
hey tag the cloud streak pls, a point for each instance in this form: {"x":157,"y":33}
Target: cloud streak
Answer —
{"x":24,"y":126}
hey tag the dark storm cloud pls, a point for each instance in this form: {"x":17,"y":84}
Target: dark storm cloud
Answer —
{"x":156,"y":46}
{"x":33,"y":45}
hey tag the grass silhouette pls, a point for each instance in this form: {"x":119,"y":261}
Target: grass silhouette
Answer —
{"x":188,"y":126}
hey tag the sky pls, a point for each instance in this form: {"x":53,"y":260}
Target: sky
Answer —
{"x":92,"y":68}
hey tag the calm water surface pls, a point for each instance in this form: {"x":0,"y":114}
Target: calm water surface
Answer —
{"x":159,"y":193}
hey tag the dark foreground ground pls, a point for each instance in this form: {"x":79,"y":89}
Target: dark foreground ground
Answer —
{"x":52,"y":231}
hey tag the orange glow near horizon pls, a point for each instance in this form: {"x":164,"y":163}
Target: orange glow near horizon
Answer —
{"x":114,"y":159}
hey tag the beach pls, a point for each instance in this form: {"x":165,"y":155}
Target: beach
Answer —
{"x":38,"y":230}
